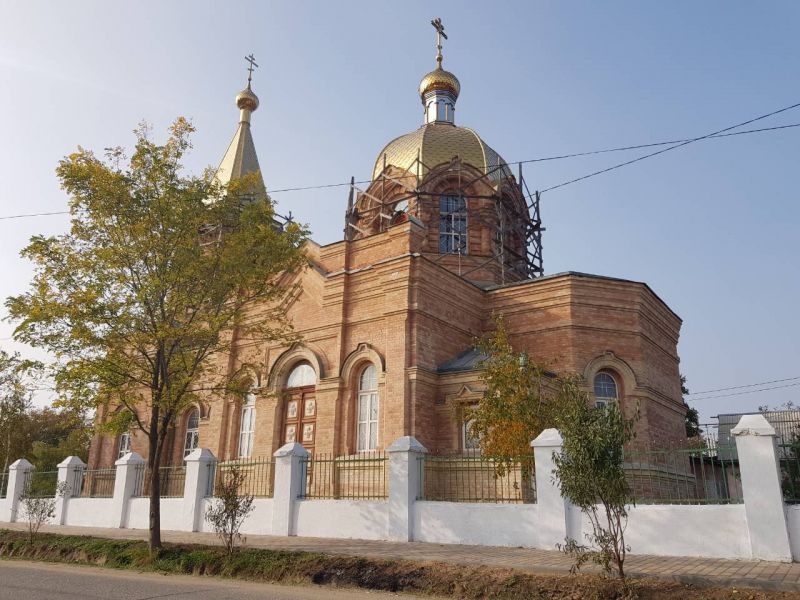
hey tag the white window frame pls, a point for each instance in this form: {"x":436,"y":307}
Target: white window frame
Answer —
{"x":191,"y":441}
{"x":470,"y":444}
{"x":124,"y":446}
{"x":453,"y":226}
{"x":247,"y":426}
{"x":301,"y":375}
{"x":367,"y":410}
{"x":603,"y":401}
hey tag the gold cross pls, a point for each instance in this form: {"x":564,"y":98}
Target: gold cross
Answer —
{"x":252,"y":60}
{"x":437,"y":25}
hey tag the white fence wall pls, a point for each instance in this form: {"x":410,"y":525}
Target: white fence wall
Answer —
{"x":760,"y":528}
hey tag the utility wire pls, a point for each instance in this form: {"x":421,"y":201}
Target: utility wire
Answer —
{"x":777,"y":387}
{"x":679,"y":143}
{"x":663,"y":150}
{"x":738,"y":387}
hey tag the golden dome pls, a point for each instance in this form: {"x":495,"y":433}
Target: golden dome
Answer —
{"x":246,"y":99}
{"x":439,"y":79}
{"x":438,"y":143}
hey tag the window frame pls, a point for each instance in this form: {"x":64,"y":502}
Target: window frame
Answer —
{"x":453,"y":224}
{"x":605,"y":401}
{"x":124,"y":444}
{"x":249,"y":412}
{"x":370,"y":397}
{"x":296,"y":368}
{"x":191,"y":437}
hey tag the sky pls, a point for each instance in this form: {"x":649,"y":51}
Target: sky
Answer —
{"x":711,"y":227}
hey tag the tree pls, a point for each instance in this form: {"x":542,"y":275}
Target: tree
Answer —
{"x":38,"y":508}
{"x":516,"y":405}
{"x":159,"y":275}
{"x":692,"y":417}
{"x":590,"y":473}
{"x":229,"y":507}
{"x":14,"y":403}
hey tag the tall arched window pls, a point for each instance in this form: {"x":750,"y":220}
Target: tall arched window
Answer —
{"x":368,"y":408}
{"x":247,"y":428}
{"x":605,"y":390}
{"x":124,"y":444}
{"x":452,"y":225}
{"x":192,"y":438}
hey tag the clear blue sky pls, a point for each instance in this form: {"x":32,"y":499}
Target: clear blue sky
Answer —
{"x":712,"y":228}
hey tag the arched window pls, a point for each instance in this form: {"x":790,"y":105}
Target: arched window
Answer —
{"x":124,"y":444}
{"x":192,"y":439}
{"x":248,"y":426}
{"x":301,"y":376}
{"x":368,"y":407}
{"x":452,"y":225}
{"x":605,"y":390}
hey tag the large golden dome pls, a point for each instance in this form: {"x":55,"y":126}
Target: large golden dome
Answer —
{"x":440,"y":80}
{"x":438,"y":143}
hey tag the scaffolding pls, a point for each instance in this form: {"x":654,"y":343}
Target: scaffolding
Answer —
{"x":516,"y":221}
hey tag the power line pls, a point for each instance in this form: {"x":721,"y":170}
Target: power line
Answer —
{"x":663,"y":150}
{"x":777,"y":387}
{"x":738,"y":387}
{"x":679,"y":143}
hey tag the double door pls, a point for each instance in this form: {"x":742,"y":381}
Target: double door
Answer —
{"x":300,"y":417}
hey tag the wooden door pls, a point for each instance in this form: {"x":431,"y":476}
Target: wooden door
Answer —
{"x":300,"y":417}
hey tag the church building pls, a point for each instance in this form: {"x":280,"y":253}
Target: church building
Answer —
{"x":445,"y":236}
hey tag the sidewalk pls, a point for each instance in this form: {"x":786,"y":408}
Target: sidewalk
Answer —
{"x":699,"y":571}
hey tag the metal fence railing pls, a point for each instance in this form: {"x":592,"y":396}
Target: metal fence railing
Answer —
{"x":172,"y":481}
{"x":41,"y":484}
{"x":355,"y":477}
{"x":93,"y":483}
{"x":681,"y":475}
{"x":3,"y":484}
{"x":258,"y":481}
{"x":477,"y":478}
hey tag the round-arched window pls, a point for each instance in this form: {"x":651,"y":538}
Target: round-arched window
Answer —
{"x":301,"y":376}
{"x":367,"y":409}
{"x":452,"y":225}
{"x":192,"y":432}
{"x":605,"y":390}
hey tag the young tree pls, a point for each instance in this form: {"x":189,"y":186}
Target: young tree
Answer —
{"x":157,"y":277}
{"x":37,"y":508}
{"x":590,"y":473}
{"x":230,"y":506}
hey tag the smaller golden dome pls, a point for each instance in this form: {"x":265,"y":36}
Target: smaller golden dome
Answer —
{"x":439,"y":79}
{"x":246,"y":99}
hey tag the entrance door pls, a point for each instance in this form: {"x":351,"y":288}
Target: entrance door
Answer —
{"x":300,"y":422}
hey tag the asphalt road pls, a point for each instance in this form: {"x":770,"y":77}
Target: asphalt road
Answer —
{"x":20,"y":580}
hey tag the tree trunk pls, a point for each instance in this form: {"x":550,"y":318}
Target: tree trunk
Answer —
{"x":154,"y":464}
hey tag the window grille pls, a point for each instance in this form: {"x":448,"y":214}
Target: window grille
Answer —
{"x":452,"y":225}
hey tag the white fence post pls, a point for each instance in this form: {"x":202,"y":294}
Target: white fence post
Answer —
{"x":195,"y":487}
{"x":17,"y":476}
{"x":761,"y":487}
{"x":70,"y":472}
{"x":404,"y":486}
{"x":129,"y":468}
{"x":290,"y":483}
{"x":558,"y":519}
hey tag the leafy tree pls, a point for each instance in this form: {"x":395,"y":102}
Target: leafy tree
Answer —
{"x":37,"y":508}
{"x":590,"y":473}
{"x":14,"y":403}
{"x":692,"y":417}
{"x":516,"y":405}
{"x":157,"y":277}
{"x":229,"y":507}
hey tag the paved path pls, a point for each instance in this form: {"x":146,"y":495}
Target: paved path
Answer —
{"x":702,"y":571}
{"x":43,"y":581}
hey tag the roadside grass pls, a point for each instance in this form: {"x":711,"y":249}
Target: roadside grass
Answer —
{"x":290,"y":567}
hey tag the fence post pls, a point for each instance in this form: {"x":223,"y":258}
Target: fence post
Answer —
{"x":559,"y":519}
{"x":17,"y":475}
{"x":290,"y":483}
{"x":761,"y":487}
{"x":405,"y":484}
{"x":70,"y":471}
{"x":128,"y":468}
{"x":195,"y":487}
